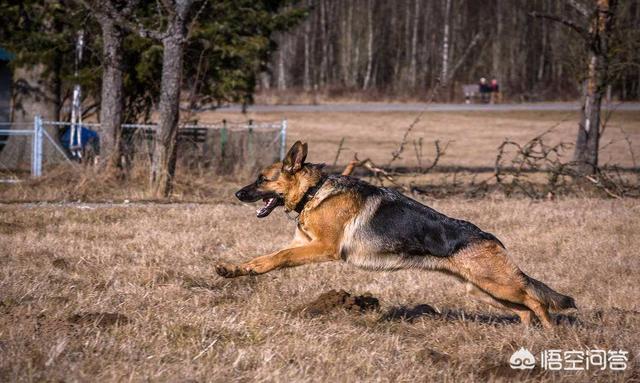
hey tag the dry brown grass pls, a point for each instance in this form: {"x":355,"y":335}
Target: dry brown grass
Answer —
{"x":170,"y":318}
{"x":69,"y":184}
{"x":128,"y":292}
{"x":474,"y":136}
{"x":331,"y":96}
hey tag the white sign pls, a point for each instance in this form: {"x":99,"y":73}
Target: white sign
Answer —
{"x":571,"y":360}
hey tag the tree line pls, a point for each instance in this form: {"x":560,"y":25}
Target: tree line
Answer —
{"x":151,"y":56}
{"x":141,"y":57}
{"x":406,"y":47}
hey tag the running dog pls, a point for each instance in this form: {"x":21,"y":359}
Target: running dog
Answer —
{"x":344,"y":218}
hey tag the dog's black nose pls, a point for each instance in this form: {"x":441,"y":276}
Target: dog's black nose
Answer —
{"x":240,"y":194}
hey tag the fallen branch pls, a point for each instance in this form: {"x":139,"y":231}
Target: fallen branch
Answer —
{"x":601,"y":186}
{"x":377,"y":172}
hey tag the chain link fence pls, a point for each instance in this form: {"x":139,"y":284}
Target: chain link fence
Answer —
{"x":222,"y":148}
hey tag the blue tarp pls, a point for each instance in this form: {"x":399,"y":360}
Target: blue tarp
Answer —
{"x":86,"y":135}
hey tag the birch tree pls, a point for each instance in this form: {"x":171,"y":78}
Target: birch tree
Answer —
{"x":444,"y":73}
{"x":388,"y":44}
{"x":367,"y":76}
{"x":414,"y":44}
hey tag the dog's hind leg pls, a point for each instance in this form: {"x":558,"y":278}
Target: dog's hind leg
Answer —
{"x":525,"y":315}
{"x":487,"y":266}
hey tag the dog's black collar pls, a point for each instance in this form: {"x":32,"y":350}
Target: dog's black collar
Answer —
{"x":309,"y":194}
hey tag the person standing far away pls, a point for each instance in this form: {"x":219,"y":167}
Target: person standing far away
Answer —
{"x":484,"y":90}
{"x":495,"y":92}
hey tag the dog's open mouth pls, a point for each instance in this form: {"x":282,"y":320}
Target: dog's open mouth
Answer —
{"x":269,"y":205}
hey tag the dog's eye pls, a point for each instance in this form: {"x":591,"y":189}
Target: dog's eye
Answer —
{"x":261,"y":179}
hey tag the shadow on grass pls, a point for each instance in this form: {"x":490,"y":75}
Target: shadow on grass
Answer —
{"x":410,"y":314}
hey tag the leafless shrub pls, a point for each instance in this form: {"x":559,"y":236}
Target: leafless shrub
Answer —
{"x":530,"y":159}
{"x":535,"y":169}
{"x":440,"y":151}
{"x":521,"y":172}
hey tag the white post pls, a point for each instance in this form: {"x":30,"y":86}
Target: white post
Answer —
{"x":283,"y":139}
{"x":34,"y":155}
{"x":36,"y":150}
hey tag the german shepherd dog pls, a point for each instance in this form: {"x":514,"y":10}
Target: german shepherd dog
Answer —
{"x":344,"y":218}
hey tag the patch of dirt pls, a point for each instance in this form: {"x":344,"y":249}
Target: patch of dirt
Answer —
{"x":433,"y":356}
{"x":60,"y":263}
{"x":333,"y":299}
{"x":98,"y":319}
{"x":10,"y":228}
{"x":7,"y":303}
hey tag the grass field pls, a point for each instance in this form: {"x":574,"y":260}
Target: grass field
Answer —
{"x":473,"y":136}
{"x":113,"y":293}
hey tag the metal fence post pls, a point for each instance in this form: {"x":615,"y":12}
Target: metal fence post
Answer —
{"x":223,"y":139}
{"x":250,"y":142}
{"x":36,"y":151}
{"x":283,"y":139}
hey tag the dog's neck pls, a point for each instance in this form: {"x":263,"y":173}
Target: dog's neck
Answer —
{"x":309,"y":194}
{"x":309,"y":180}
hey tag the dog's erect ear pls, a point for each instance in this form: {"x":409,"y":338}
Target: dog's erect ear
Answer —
{"x":295,"y":158}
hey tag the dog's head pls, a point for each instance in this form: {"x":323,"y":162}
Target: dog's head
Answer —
{"x":281,"y":184}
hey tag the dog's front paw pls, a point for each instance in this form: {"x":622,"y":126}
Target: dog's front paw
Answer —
{"x":259,"y":266}
{"x":228,"y":270}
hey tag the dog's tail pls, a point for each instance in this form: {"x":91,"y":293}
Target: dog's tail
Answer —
{"x":550,"y":297}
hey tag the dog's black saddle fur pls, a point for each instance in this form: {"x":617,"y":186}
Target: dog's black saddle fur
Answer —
{"x":402,"y":225}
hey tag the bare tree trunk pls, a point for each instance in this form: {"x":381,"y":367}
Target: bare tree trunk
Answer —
{"x":282,"y":82}
{"x":367,"y":76}
{"x":586,"y":150}
{"x":497,"y":42}
{"x":414,"y":45}
{"x":345,"y":45}
{"x":325,"y":43}
{"x":445,"y":42}
{"x":355,"y":66}
{"x":265,"y":80}
{"x":543,"y":52}
{"x":587,"y":142}
{"x":163,"y":164}
{"x":306,"y":82}
{"x":397,"y":39}
{"x":164,"y":153}
{"x":112,"y":102}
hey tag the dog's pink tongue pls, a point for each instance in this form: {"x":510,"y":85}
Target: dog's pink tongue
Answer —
{"x":265,"y":209}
